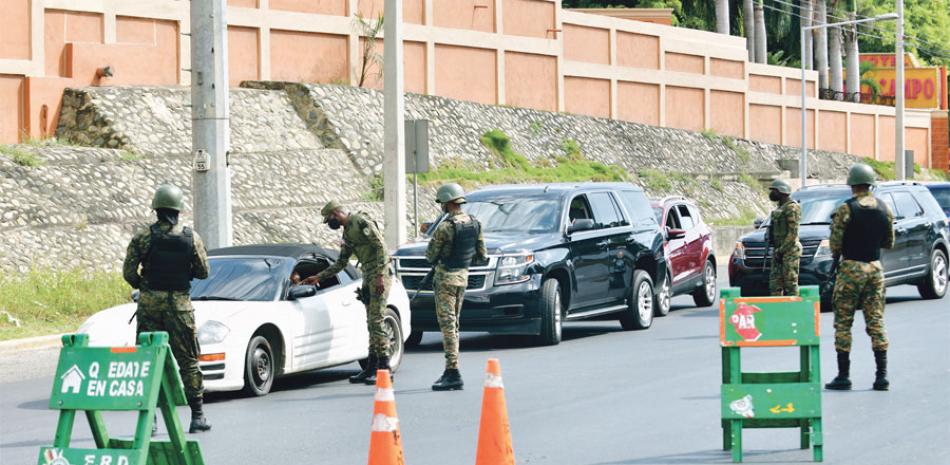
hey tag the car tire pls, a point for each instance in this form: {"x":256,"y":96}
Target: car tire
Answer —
{"x":639,"y":312}
{"x":664,"y":295}
{"x":259,"y":367}
{"x":415,"y":338}
{"x":397,"y":347}
{"x":934,"y":285}
{"x":706,"y":295}
{"x":552,"y":310}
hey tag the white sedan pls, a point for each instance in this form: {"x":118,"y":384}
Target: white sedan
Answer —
{"x":254,"y":326}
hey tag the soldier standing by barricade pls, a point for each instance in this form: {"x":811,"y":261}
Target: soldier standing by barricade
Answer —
{"x":456,"y":242}
{"x":861,"y":227}
{"x":361,"y":236}
{"x":783,"y":237}
{"x":170,"y":255}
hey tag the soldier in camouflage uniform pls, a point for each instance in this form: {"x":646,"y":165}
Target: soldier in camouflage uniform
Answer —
{"x":170,"y":256}
{"x":783,"y":237}
{"x":455,"y":243}
{"x":362,"y":237}
{"x":861,"y":227}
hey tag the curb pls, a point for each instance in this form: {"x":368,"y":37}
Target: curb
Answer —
{"x":31,"y":343}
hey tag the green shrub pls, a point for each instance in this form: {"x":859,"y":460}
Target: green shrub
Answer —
{"x":500,"y":145}
{"x":655,"y":180}
{"x":571,"y":149}
{"x":21,"y":157}
{"x":709,"y":134}
{"x":376,"y":189}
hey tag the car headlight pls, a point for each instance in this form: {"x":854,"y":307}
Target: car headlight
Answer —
{"x":824,"y":249}
{"x":739,"y":253}
{"x":212,"y":332}
{"x":512,"y":268}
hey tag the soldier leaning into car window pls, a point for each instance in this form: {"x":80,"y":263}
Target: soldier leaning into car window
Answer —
{"x":862,"y":226}
{"x":170,"y":255}
{"x":783,"y":237}
{"x":361,"y":236}
{"x":455,"y":243}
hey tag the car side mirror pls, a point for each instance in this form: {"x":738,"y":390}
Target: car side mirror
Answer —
{"x":758,"y":222}
{"x":580,"y":225}
{"x":673,"y":233}
{"x":135,"y":295}
{"x":301,"y":292}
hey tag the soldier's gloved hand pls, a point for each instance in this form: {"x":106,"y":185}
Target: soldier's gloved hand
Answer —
{"x":380,"y":284}
{"x":312,"y":280}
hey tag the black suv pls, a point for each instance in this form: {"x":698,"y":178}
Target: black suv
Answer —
{"x":556,"y":252}
{"x":919,"y":255}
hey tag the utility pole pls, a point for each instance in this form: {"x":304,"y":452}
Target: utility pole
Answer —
{"x":210,"y":132}
{"x":899,"y":96}
{"x":394,"y":106}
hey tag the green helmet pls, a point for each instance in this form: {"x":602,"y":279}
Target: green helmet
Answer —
{"x":781,"y":186}
{"x":450,"y":193}
{"x":329,"y":208}
{"x":861,"y":173}
{"x":168,"y":196}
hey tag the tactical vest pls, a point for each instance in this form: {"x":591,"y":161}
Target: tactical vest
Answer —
{"x":866,"y":231}
{"x":168,"y":266}
{"x":463,"y":245}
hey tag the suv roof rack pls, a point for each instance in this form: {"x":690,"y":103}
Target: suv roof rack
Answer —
{"x":900,"y":183}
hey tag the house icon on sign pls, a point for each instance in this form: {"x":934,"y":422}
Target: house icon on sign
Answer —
{"x":72,"y":380}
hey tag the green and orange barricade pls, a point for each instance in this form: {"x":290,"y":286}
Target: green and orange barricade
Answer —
{"x":771,"y":399}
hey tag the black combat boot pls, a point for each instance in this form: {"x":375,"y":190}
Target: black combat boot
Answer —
{"x":198,"y":421}
{"x":842,"y":382}
{"x":880,"y":377}
{"x":370,"y":370}
{"x":383,"y":365}
{"x":451,"y":380}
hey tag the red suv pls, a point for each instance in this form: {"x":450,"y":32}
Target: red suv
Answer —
{"x":689,"y":250}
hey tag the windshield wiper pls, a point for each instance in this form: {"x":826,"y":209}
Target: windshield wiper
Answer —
{"x":215,"y":297}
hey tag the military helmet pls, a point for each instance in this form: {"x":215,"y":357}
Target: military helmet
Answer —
{"x":450,"y":193}
{"x":328,"y":209}
{"x":781,"y":186}
{"x":861,"y":173}
{"x":168,"y":196}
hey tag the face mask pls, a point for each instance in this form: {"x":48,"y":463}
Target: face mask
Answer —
{"x":445,"y":208}
{"x":774,"y":196}
{"x":334,"y":223}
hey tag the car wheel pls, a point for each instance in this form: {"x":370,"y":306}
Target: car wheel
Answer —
{"x":552,"y":309}
{"x":393,"y":330}
{"x":663,"y":297}
{"x":934,"y":285}
{"x":259,"y":367}
{"x":415,"y":338}
{"x":639,"y":313}
{"x":706,"y":295}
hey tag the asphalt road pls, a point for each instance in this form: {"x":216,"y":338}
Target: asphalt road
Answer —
{"x":603,"y":397}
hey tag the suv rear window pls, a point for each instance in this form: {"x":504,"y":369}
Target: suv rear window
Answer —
{"x":639,"y":208}
{"x":907,"y":207}
{"x":605,"y":210}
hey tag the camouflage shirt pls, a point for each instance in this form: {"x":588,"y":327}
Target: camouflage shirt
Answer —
{"x":133,"y":270}
{"x":842,"y":217}
{"x":361,"y":236}
{"x":784,"y":227}
{"x":441,"y":246}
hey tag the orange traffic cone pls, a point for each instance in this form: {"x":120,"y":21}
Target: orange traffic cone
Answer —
{"x":494,"y":433}
{"x":385,"y":448}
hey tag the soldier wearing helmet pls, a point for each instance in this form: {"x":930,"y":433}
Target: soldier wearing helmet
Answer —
{"x":160,"y":262}
{"x":455,"y":244}
{"x":364,"y":238}
{"x":862,"y":226}
{"x":783,"y":237}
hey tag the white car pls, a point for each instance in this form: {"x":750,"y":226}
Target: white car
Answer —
{"x":254,"y":326}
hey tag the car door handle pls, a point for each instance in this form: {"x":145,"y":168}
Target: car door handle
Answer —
{"x":603,"y":243}
{"x":347,"y":303}
{"x":901,"y":231}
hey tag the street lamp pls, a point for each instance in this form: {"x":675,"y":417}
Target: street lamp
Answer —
{"x":803,"y":163}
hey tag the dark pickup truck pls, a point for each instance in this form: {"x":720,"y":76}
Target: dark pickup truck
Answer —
{"x":556,"y":252}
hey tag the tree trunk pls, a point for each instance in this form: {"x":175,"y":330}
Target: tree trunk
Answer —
{"x":821,"y":46}
{"x":853,"y":85}
{"x":749,"y":25}
{"x":722,"y":16}
{"x":761,"y":42}
{"x":834,"y":51}
{"x":808,"y":10}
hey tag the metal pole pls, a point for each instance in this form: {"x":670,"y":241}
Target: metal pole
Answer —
{"x":415,"y":203}
{"x":899,"y":96}
{"x":210,"y":129}
{"x":804,"y":160}
{"x":394,"y":157}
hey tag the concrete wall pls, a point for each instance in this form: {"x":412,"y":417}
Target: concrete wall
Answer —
{"x":528,"y":53}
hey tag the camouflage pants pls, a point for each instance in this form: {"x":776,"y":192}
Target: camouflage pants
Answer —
{"x":859,"y":285}
{"x":182,"y":338}
{"x":448,"y":306}
{"x":374,"y":298}
{"x":783,"y":277}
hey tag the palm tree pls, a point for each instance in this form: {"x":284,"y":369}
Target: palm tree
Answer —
{"x":761,"y":42}
{"x":821,"y":45}
{"x":722,"y":16}
{"x":748,"y":19}
{"x":852,"y":54}
{"x":808,"y":10}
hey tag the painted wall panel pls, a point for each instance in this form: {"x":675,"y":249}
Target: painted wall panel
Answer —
{"x":414,"y":66}
{"x":684,"y":63}
{"x":308,"y":57}
{"x":413,"y":11}
{"x":793,"y":127}
{"x":727,"y":113}
{"x":243,"y":3}
{"x":585,"y":96}
{"x":767,"y":84}
{"x":243,"y":54}
{"x":918,"y":140}
{"x":587,"y":44}
{"x":793,"y":87}
{"x":727,"y":68}
{"x":531,"y":81}
{"x":131,"y":30}
{"x":685,"y":108}
{"x":11,"y":101}
{"x":886,"y":131}
{"x":765,"y":123}
{"x":15,"y":30}
{"x":834,"y":131}
{"x":530,"y":18}
{"x":466,"y":73}
{"x":325,"y":7}
{"x":638,"y":102}
{"x":477,"y":15}
{"x":638,"y":50}
{"x":862,"y":135}
{"x":84,"y":27}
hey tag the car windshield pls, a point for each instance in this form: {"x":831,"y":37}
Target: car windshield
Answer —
{"x":942,"y":194}
{"x":245,"y":279}
{"x":515,"y":215}
{"x":658,"y":211}
{"x":818,"y":208}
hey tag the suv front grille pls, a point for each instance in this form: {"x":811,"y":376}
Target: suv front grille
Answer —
{"x":411,"y":282}
{"x":755,"y":252}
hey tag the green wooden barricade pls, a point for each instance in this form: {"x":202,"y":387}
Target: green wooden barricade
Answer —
{"x":140,"y":378}
{"x":771,"y":400}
